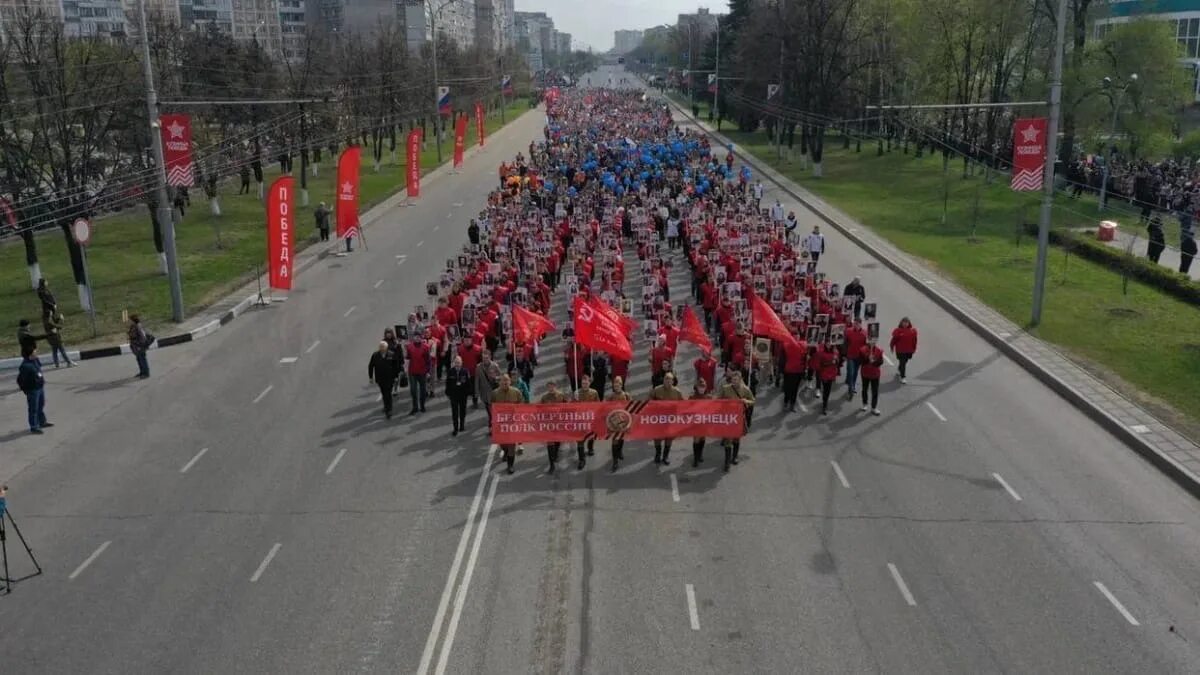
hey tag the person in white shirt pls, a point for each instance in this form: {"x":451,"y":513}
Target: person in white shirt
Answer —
{"x":777,"y":213}
{"x":758,"y":193}
{"x":815,"y":244}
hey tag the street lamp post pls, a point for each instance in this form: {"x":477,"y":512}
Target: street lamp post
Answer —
{"x":1043,"y":241}
{"x":1112,"y":133}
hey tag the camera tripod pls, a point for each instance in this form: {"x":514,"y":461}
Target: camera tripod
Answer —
{"x":8,"y":581}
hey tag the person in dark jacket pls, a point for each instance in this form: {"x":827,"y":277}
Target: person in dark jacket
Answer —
{"x":855,"y":290}
{"x":49,"y":303}
{"x":1187,"y":249}
{"x":25,"y":337}
{"x":53,"y":323}
{"x":321,"y":215}
{"x":33,"y":385}
{"x":1158,"y":240}
{"x":459,"y":386}
{"x":382,"y":370}
{"x":139,"y":342}
{"x":599,"y":373}
{"x":473,"y":233}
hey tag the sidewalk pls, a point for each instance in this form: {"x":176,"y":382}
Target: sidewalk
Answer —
{"x":1170,"y":255}
{"x":1171,"y":452}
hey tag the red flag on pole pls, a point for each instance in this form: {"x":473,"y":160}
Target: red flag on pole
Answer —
{"x":598,"y":332}
{"x":691,"y":331}
{"x":1029,"y":154}
{"x":413,"y":161}
{"x":280,"y":241}
{"x":766,"y":322}
{"x":480,"y":127}
{"x":347,"y":192}
{"x":460,"y":139}
{"x":529,"y":326}
{"x":625,"y":322}
{"x":177,"y":149}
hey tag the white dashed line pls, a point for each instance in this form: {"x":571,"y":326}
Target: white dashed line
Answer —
{"x":436,"y":228}
{"x":262,"y":567}
{"x":193,"y":461}
{"x":420,"y":243}
{"x":461,"y":598}
{"x":289,"y":359}
{"x":312,"y":347}
{"x":378,"y":283}
{"x":264,"y":393}
{"x":935,"y":411}
{"x":350,"y":311}
{"x":457,"y":204}
{"x":1003,"y":483}
{"x":837,"y":468}
{"x":334,"y":463}
{"x":1116,"y":603}
{"x":908,"y":596}
{"x":693,"y":613}
{"x":674,"y":488}
{"x":90,"y":559}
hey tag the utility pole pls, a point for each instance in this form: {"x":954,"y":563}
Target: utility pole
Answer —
{"x":437,"y":114}
{"x":166,"y":222}
{"x":717,"y":95}
{"x":1039,"y":273}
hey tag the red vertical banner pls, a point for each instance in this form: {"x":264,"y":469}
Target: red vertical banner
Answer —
{"x":347,"y":192}
{"x":413,"y":163}
{"x":460,"y":139}
{"x":280,"y":226}
{"x":480,"y":128}
{"x":177,"y":148}
{"x":1029,"y":153}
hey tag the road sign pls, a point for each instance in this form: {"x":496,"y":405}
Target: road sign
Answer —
{"x":81,"y":229}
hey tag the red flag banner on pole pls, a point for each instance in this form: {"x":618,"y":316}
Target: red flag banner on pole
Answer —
{"x":633,"y":420}
{"x":597,"y":331}
{"x":529,"y":326}
{"x":628,"y":324}
{"x":177,"y":148}
{"x":280,"y":240}
{"x":480,"y":122}
{"x":1029,"y":154}
{"x":413,"y":163}
{"x":347,"y":192}
{"x":766,"y":322}
{"x":460,"y":139}
{"x":691,"y":331}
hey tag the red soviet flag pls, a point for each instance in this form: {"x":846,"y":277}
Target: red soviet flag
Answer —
{"x":347,"y":192}
{"x":598,"y":332}
{"x":766,"y":322}
{"x":460,"y":139}
{"x":280,"y":223}
{"x":691,"y":331}
{"x":177,"y":149}
{"x":480,"y":128}
{"x":529,"y":326}
{"x":611,"y":312}
{"x":1029,"y":153}
{"x":412,"y":156}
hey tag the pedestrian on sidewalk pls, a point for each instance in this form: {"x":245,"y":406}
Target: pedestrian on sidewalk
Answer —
{"x":321,"y":216}
{"x":139,"y":343}
{"x":53,"y":323}
{"x":904,"y":345}
{"x":1187,"y":249}
{"x":382,"y":370}
{"x":1157,"y":240}
{"x":872,"y":369}
{"x":25,"y":337}
{"x":33,"y":385}
{"x":458,"y":388}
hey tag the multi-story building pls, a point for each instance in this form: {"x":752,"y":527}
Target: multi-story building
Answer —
{"x":1183,"y":15}
{"x":562,"y":42}
{"x":534,"y":38}
{"x":703,"y":23}
{"x":625,"y":41}
{"x":454,"y":20}
{"x":491,"y":20}
{"x":87,"y":18}
{"x":508,"y":28}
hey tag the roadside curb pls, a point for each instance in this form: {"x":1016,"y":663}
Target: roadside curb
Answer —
{"x":304,"y":261}
{"x":1179,"y":473}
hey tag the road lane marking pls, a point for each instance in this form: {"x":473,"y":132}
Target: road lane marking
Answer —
{"x":420,"y":243}
{"x":289,"y":359}
{"x":436,"y":630}
{"x":1006,"y":486}
{"x":334,"y":463}
{"x":262,"y":567}
{"x":378,"y":283}
{"x":312,"y":347}
{"x":1116,"y":603}
{"x":674,"y":488}
{"x":837,"y":468}
{"x":264,"y":393}
{"x":461,"y":598}
{"x":90,"y":559}
{"x":437,"y":227}
{"x":193,"y":461}
{"x":935,"y":411}
{"x":908,"y":596}
{"x":457,"y":204}
{"x":693,"y":614}
{"x":887,"y":360}
{"x":350,"y":311}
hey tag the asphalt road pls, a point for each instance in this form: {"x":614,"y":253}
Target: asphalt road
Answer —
{"x":208,"y":520}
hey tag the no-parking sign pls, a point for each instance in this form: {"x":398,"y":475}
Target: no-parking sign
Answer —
{"x":81,"y":229}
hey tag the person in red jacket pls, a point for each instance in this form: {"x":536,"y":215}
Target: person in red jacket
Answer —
{"x":445,"y":314}
{"x":855,"y":340}
{"x":904,"y":345}
{"x":827,"y":372}
{"x":706,"y":369}
{"x":471,"y":353}
{"x":795,"y":357}
{"x":660,"y":361}
{"x":871,"y":357}
{"x":419,"y":361}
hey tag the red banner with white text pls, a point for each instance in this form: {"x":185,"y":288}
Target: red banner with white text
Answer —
{"x":632,"y":420}
{"x":177,"y":149}
{"x":280,"y":226}
{"x":460,"y":139}
{"x":347,"y":192}
{"x":412,"y":155}
{"x":1029,"y":154}
{"x":480,"y":126}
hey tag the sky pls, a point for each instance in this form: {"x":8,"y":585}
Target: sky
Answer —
{"x":592,"y":22}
